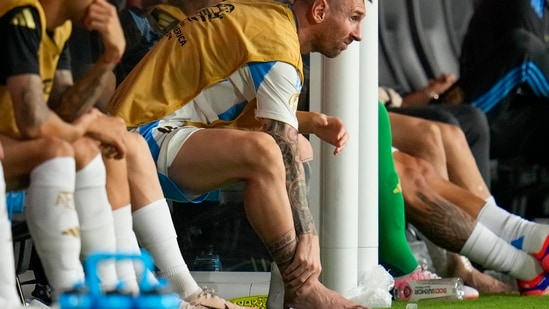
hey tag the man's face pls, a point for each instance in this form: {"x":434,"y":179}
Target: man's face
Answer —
{"x":341,"y":27}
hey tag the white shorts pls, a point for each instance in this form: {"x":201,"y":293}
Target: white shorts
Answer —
{"x":170,"y":144}
{"x":165,"y":142}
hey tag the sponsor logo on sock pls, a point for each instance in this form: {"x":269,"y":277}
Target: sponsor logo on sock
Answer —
{"x":74,"y":231}
{"x":518,"y":243}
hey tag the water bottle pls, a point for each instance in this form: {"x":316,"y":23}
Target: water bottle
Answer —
{"x":208,"y":261}
{"x":415,"y":290}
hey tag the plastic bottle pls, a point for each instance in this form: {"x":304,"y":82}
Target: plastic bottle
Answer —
{"x":207,"y":261}
{"x":415,"y":290}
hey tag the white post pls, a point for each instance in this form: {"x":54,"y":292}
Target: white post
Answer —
{"x":343,"y":196}
{"x":339,"y":202}
{"x":368,"y":149}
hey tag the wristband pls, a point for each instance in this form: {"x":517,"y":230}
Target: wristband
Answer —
{"x":432,"y":95}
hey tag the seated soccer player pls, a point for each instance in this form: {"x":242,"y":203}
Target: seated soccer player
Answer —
{"x":488,"y":235}
{"x":257,"y":93}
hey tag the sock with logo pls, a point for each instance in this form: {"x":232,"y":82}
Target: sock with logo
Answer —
{"x":490,"y":251}
{"x":96,"y":219}
{"x":53,"y":222}
{"x":522,"y":234}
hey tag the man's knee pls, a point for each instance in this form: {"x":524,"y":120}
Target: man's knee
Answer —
{"x":431,"y":139}
{"x":261,"y":149}
{"x":412,"y":170}
{"x":136,"y":145}
{"x":85,"y":150}
{"x":474,"y":124}
{"x":50,"y":148}
{"x":522,"y":44}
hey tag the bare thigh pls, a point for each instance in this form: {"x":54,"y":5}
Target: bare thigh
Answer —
{"x":212,"y":158}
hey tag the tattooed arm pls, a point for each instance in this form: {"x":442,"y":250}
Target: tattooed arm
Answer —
{"x":71,"y":100}
{"x":33,"y":117}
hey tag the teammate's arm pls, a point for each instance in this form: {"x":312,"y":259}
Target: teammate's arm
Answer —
{"x":21,"y":34}
{"x":71,"y":100}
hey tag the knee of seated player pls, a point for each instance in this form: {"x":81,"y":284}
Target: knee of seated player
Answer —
{"x":136,"y":145}
{"x":523,"y":43}
{"x":453,"y":135}
{"x":85,"y":149}
{"x":49,"y":148}
{"x":412,"y":171}
{"x":477,"y":127}
{"x":261,"y":154}
{"x":54,"y":147}
{"x":431,"y":137}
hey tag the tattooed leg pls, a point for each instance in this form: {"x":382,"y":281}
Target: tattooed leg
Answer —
{"x":437,"y":215}
{"x":287,"y":139}
{"x":283,"y":249}
{"x":300,"y":275}
{"x":442,"y":222}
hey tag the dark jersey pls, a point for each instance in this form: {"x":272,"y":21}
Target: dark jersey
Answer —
{"x":20,"y":32}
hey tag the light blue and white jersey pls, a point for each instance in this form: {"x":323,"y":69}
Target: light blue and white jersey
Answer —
{"x":274,"y":86}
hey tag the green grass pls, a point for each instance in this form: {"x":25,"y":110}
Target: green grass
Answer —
{"x":514,"y":301}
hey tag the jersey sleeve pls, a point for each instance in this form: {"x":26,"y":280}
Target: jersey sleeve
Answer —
{"x":20,"y":34}
{"x":65,"y":59}
{"x":277,"y":91}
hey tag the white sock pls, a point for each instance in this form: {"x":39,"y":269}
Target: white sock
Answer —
{"x":522,"y":234}
{"x":96,"y":221}
{"x":126,"y":242}
{"x":53,"y":222}
{"x":492,"y":252}
{"x":154,"y":228}
{"x":7,"y":269}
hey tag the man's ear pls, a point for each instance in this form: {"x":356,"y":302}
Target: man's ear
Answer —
{"x":319,"y":9}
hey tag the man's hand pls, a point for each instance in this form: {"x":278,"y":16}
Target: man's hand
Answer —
{"x":440,"y":84}
{"x":331,"y":130}
{"x":103,"y":18}
{"x":305,"y":264}
{"x":110,"y":132}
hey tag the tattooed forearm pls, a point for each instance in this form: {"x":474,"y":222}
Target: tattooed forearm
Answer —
{"x":79,"y":99}
{"x":70,"y":100}
{"x":286,"y":137}
{"x":29,"y":115}
{"x":283,"y":249}
{"x":442,"y":222}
